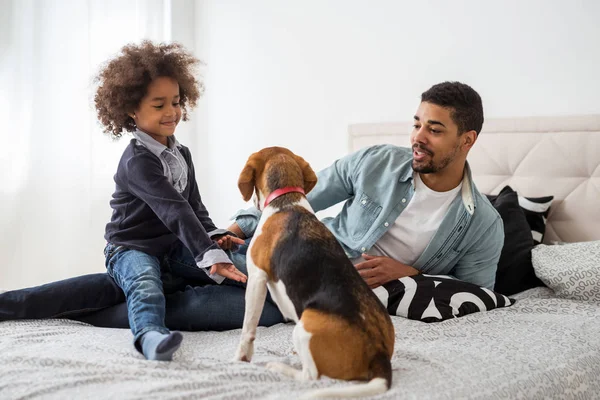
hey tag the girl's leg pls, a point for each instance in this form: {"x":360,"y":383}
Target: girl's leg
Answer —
{"x":139,"y":275}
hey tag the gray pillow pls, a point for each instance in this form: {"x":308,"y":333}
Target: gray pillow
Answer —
{"x":571,"y":270}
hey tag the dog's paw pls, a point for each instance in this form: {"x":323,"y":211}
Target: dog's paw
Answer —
{"x":244,"y":352}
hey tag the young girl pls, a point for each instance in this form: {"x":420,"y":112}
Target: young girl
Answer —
{"x":158,"y":222}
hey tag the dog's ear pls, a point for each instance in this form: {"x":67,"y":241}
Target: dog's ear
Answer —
{"x":247,"y":179}
{"x":309,"y":176}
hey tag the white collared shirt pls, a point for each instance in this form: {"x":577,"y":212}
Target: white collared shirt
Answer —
{"x":174,"y":166}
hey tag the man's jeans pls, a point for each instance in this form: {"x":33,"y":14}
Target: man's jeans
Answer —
{"x":191,"y":304}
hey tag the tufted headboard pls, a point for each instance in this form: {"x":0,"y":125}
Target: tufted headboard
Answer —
{"x":536,"y":156}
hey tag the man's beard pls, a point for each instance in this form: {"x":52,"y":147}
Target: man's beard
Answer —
{"x":431,"y":167}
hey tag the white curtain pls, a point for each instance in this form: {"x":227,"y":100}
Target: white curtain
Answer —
{"x":56,"y":164}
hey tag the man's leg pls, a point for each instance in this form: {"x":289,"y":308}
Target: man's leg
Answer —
{"x":97,"y":300}
{"x":199,"y":308}
{"x":210,"y":306}
{"x":70,"y":298}
{"x":213,"y":308}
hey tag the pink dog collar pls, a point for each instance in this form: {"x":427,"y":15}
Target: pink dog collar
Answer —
{"x":279,"y":192}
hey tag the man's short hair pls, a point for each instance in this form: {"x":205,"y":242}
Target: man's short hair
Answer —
{"x":466,"y":109}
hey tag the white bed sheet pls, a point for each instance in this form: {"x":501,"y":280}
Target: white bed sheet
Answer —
{"x":540,"y":348}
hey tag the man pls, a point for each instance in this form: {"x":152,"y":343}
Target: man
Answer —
{"x":407,"y":210}
{"x":413,"y":210}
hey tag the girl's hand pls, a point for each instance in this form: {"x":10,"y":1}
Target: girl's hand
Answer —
{"x":228,"y":242}
{"x":228,"y":271}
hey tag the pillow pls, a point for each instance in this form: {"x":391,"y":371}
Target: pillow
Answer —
{"x":536,"y":211}
{"x":571,"y":270}
{"x":434,"y":298}
{"x":515,"y":271}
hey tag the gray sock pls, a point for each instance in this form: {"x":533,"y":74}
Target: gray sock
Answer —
{"x":159,"y":346}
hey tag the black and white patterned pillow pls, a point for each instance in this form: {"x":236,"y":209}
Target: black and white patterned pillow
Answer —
{"x":434,"y":298}
{"x":536,"y":211}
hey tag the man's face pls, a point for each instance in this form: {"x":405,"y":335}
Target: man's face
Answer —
{"x":434,"y":139}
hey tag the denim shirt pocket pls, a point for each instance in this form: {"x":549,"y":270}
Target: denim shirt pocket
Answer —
{"x":363,"y":214}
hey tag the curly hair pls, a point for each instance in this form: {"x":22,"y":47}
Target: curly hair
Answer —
{"x":464,"y":102}
{"x":123,"y":82}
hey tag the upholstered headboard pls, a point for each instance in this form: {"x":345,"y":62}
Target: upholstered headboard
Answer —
{"x":536,"y":156}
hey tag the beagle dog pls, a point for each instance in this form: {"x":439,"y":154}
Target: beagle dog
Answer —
{"x":342,"y":330}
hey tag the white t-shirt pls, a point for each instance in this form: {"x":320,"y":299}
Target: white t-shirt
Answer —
{"x":415,"y":226}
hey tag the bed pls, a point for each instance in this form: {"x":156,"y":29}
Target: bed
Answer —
{"x":546,"y":345}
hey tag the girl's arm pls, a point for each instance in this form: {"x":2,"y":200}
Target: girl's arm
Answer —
{"x":145,"y":179}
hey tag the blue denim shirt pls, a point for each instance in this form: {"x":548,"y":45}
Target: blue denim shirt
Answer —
{"x":376,"y":184}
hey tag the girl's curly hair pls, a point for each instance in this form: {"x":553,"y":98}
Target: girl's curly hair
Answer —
{"x":123,"y":82}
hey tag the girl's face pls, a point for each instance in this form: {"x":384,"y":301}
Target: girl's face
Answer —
{"x":158,"y":112}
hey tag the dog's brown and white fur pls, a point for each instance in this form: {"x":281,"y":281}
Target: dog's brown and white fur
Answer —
{"x":342,"y":330}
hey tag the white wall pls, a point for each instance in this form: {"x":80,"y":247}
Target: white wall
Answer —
{"x":56,"y":166}
{"x":296,"y":73}
{"x":278,"y":72}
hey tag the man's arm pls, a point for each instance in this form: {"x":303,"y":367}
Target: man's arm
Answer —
{"x":479,"y":264}
{"x":235,"y":229}
{"x":379,"y":270}
{"x":334,"y":184}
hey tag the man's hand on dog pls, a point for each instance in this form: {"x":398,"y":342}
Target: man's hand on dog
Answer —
{"x":228,"y":271}
{"x":228,"y":242}
{"x":377,"y":270}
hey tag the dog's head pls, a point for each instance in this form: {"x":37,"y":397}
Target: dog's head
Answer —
{"x":274,"y":168}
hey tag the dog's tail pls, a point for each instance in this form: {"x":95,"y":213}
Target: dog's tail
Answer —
{"x":381,"y":380}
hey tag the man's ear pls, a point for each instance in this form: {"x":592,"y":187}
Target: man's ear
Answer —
{"x":247,"y":179}
{"x":309,"y":176}
{"x":469,"y":139}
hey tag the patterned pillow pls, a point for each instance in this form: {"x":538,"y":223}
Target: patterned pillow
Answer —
{"x":515,"y":271}
{"x":434,"y":298}
{"x":536,"y":211}
{"x":571,"y":270}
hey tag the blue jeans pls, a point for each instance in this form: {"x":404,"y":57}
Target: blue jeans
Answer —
{"x":139,"y":276}
{"x":191,"y":304}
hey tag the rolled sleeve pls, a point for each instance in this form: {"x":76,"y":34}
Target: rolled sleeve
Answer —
{"x":211,"y":257}
{"x":247,"y":220}
{"x":220,"y":232}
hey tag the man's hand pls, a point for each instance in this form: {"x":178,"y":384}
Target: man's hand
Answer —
{"x":378,"y":270}
{"x":228,"y":242}
{"x":228,"y":271}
